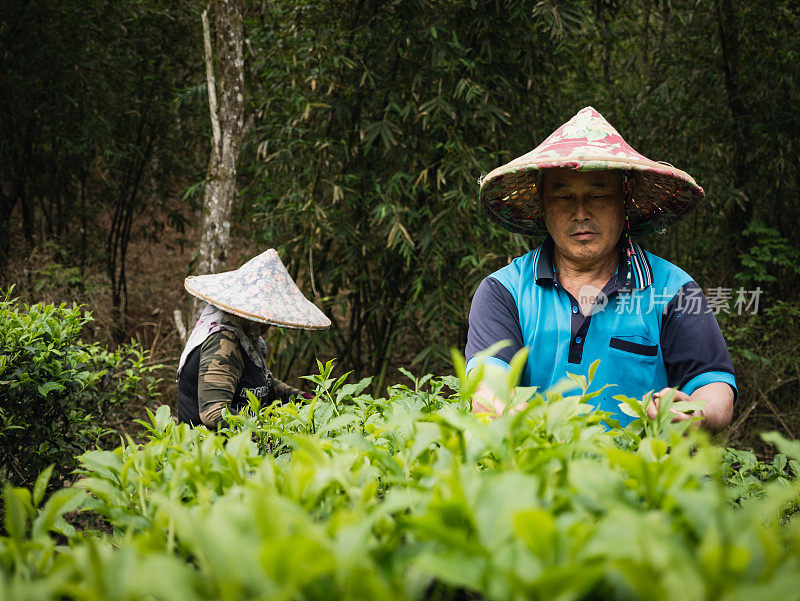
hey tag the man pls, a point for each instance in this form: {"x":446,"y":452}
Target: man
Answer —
{"x":589,"y":292}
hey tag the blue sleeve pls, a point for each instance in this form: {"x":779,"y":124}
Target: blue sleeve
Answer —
{"x":694,"y":351}
{"x":493,"y":317}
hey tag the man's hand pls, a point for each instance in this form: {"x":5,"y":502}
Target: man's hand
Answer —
{"x":479,"y":405}
{"x":679,"y":416}
{"x":716,"y":414}
{"x":484,"y":401}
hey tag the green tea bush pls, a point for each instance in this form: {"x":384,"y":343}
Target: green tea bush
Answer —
{"x":58,"y":392}
{"x":412,"y":497}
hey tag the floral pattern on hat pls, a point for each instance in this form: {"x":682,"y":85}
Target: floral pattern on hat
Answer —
{"x":658,"y":194}
{"x":261,"y":290}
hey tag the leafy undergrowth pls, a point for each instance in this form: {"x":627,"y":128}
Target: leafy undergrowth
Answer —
{"x":59,"y":393}
{"x":413,"y":497}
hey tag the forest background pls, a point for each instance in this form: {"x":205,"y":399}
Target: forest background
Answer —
{"x":367,"y":126}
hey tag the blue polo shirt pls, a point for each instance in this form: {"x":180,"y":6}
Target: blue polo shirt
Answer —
{"x":656,"y":329}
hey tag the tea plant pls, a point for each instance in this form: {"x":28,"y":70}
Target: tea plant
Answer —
{"x":411,"y":496}
{"x":57,"y":392}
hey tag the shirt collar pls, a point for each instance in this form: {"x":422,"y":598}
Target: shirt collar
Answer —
{"x":633,"y":269}
{"x":543,"y":266}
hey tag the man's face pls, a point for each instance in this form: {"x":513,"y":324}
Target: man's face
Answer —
{"x":584,"y":212}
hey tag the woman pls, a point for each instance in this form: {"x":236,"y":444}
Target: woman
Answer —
{"x":225,"y":356}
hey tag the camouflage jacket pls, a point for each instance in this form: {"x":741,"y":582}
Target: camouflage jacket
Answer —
{"x":222,"y":375}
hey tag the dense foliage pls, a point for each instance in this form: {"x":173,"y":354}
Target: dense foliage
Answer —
{"x":375,"y":120}
{"x":95,"y":125}
{"x":413,"y":497}
{"x":57,"y":391}
{"x":368,"y":124}
{"x":766,"y":352}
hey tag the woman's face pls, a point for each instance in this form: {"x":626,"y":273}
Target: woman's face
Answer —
{"x":251,"y":328}
{"x":254,"y":328}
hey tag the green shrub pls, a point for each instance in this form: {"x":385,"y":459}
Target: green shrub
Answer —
{"x":412,"y":497}
{"x":771,"y":261}
{"x":765,"y":349}
{"x":58,"y":392}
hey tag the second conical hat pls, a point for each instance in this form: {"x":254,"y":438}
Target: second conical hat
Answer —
{"x":260,"y":290}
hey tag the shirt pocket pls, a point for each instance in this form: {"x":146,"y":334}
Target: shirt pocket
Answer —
{"x":641,"y":347}
{"x":636,"y":365}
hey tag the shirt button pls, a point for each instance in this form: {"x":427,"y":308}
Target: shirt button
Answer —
{"x":578,"y":340}
{"x":574,"y":309}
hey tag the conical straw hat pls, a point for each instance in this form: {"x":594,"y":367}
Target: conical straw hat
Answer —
{"x":658,"y":194}
{"x":260,"y":290}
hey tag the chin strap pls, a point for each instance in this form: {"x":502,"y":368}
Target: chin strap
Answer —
{"x":626,"y":232}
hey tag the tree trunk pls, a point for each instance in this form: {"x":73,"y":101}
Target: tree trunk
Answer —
{"x":226,"y":104}
{"x":742,"y":167}
{"x":645,"y":40}
{"x":7,"y":204}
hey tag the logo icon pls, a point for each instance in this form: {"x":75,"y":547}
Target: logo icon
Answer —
{"x":594,"y":297}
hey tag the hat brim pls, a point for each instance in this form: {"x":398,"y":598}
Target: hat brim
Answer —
{"x":659,"y":195}
{"x":322,"y":324}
